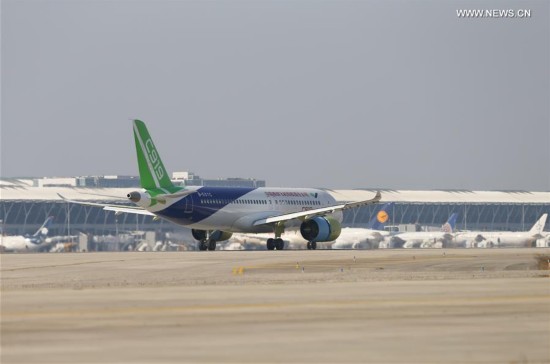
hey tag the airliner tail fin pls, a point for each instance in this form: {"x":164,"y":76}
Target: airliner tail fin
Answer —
{"x":449,"y":226}
{"x":152,"y":173}
{"x":539,"y":225}
{"x":381,"y":217}
{"x":43,"y":230}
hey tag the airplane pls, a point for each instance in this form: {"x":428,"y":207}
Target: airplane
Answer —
{"x":490,"y":239}
{"x":36,"y":242}
{"x":369,"y":238}
{"x":215,"y":213}
{"x":426,"y":239}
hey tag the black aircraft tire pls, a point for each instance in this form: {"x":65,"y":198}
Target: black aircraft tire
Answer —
{"x":279,"y":244}
{"x":270,"y":244}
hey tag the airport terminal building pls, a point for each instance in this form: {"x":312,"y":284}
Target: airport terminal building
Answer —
{"x":26,"y":203}
{"x":477,"y":210}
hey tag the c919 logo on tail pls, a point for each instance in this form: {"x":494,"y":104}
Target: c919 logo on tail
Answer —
{"x":154,"y":158}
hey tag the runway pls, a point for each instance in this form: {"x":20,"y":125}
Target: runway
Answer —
{"x":384,"y":306}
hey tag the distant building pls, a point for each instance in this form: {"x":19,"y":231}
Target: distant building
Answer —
{"x":190,"y":179}
{"x":54,"y":182}
{"x":107,"y":181}
{"x":178,"y":178}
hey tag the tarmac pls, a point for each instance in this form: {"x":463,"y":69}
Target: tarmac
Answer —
{"x":378,"y":306}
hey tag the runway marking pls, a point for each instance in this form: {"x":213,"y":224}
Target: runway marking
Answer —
{"x":62,"y":265}
{"x":84,"y":263}
{"x":370,"y":303}
{"x":370,"y":263}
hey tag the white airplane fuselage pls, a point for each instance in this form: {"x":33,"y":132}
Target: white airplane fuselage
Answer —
{"x":236,"y":209}
{"x":358,"y":238}
{"x":422,"y":239}
{"x":495,"y":239}
{"x":20,"y":244}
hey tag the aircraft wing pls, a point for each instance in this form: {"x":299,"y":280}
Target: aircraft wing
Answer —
{"x":309,"y":214}
{"x":116,"y":208}
{"x":378,"y":234}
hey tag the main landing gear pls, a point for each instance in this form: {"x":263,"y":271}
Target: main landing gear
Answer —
{"x":207,"y":245}
{"x":208,"y":238}
{"x":276,"y":243}
{"x":311,"y":245}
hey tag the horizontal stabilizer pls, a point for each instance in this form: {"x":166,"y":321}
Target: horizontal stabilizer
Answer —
{"x":107,"y":207}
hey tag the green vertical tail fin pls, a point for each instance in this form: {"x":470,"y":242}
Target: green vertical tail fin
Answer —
{"x":152,"y":173}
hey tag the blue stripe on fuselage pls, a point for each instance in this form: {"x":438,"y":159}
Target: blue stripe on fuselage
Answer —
{"x":189,"y":210}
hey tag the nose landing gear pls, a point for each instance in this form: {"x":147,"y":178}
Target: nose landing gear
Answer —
{"x":277,"y":243}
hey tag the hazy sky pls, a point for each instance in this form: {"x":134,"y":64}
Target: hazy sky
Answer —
{"x":338,"y":94}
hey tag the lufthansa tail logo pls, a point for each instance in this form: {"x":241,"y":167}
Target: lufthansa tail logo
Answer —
{"x":382,"y":216}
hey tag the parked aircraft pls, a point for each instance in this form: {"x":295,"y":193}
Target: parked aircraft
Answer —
{"x":426,"y":239}
{"x":215,"y":213}
{"x":490,"y":239}
{"x":369,"y":238}
{"x":33,"y":243}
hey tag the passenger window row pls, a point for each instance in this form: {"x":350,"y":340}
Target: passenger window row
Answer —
{"x":214,"y":201}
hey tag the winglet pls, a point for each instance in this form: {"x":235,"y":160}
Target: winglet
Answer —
{"x":373,"y":200}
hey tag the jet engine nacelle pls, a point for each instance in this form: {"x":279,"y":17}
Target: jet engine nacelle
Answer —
{"x":320,"y":228}
{"x":216,"y":235}
{"x":220,"y":235}
{"x":141,"y":199}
